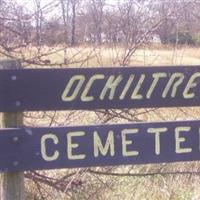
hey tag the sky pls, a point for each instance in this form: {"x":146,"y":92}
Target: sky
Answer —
{"x":48,"y":6}
{"x":30,"y":3}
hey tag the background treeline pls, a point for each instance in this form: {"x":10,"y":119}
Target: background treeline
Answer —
{"x":99,"y":21}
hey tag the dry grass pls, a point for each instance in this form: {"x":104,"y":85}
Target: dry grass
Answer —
{"x":104,"y":56}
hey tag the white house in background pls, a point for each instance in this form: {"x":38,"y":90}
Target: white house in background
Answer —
{"x":118,"y":37}
{"x":155,"y":38}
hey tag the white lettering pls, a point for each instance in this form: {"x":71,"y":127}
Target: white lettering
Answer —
{"x":71,"y":145}
{"x":126,"y":142}
{"x":156,"y":77}
{"x":157,"y":132}
{"x":180,"y":77}
{"x":111,"y":85}
{"x":128,"y":84}
{"x":135,"y":94}
{"x":191,"y":84}
{"x":98,"y":147}
{"x":77,"y":78}
{"x":180,"y":140}
{"x":84,"y":96}
{"x":44,"y":149}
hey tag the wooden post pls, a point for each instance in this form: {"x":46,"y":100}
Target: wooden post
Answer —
{"x":12,"y":184}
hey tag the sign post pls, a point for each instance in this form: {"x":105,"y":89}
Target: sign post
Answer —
{"x":12,"y":184}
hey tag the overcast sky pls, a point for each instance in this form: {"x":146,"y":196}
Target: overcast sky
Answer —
{"x":30,"y":3}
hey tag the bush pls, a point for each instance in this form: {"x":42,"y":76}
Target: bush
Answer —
{"x":197,"y":39}
{"x":182,"y":38}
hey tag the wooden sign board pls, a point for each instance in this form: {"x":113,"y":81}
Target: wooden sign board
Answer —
{"x":99,"y":88}
{"x":86,"y":146}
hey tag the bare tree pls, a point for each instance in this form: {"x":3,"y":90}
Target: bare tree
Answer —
{"x":96,"y":9}
{"x":65,"y":17}
{"x":74,"y":4}
{"x":38,"y":20}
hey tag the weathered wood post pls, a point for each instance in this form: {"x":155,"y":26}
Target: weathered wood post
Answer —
{"x":12,"y":184}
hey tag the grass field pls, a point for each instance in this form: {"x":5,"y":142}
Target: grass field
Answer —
{"x":103,"y":56}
